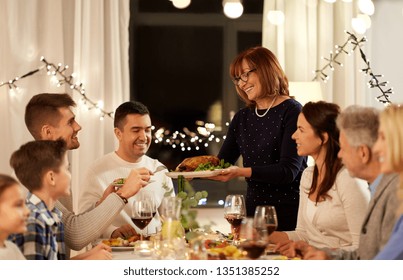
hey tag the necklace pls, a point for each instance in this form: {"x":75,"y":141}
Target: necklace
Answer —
{"x":268,"y":109}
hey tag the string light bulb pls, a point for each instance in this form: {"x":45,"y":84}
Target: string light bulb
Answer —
{"x":358,"y":25}
{"x":366,"y":19}
{"x":233,"y":8}
{"x":181,"y":4}
{"x":366,"y":7}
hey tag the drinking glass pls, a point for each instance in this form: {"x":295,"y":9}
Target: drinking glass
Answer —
{"x":265,"y":219}
{"x":253,"y":241}
{"x":234,"y":212}
{"x":170,"y":213}
{"x":170,"y":207}
{"x":142,"y":214}
{"x":149,"y":196}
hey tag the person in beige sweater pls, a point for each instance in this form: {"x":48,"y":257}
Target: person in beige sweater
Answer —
{"x":49,"y":116}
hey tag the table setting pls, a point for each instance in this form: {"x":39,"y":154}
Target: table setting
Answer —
{"x":181,"y":237}
{"x":248,"y":238}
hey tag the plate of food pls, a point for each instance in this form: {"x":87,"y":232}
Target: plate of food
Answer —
{"x":199,"y":167}
{"x":194,"y":174}
{"x":228,"y":252}
{"x":121,"y":244}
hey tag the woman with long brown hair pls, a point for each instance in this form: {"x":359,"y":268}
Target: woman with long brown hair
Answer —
{"x":332,"y":203}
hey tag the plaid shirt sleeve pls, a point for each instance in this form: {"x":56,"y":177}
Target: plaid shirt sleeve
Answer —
{"x":33,"y":243}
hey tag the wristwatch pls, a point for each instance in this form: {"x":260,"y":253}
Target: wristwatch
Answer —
{"x":123,"y":198}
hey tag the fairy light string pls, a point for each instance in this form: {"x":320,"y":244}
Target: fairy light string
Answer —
{"x":187,"y":140}
{"x":59,"y":72}
{"x":59,"y":75}
{"x":184,"y":140}
{"x":352,"y":43}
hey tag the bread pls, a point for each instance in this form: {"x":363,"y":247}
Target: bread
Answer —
{"x":190,"y":164}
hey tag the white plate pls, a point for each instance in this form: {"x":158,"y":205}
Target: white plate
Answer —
{"x":195,"y":174}
{"x":114,"y":248}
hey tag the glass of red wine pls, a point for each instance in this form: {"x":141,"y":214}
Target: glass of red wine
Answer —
{"x":265,"y":219}
{"x":253,"y":241}
{"x":150,"y":196}
{"x":234,"y":212}
{"x":142,"y":214}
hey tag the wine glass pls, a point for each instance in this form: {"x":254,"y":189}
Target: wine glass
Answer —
{"x":265,"y":219}
{"x":253,"y":241}
{"x":146,"y":195}
{"x":234,"y":212}
{"x":142,"y":214}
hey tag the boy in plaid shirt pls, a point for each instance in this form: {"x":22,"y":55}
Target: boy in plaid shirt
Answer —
{"x":43,"y":168}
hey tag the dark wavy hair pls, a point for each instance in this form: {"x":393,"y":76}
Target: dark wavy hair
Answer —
{"x":271,"y":75}
{"x":322,"y":117}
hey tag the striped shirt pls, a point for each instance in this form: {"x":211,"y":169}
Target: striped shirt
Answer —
{"x":44,"y":239}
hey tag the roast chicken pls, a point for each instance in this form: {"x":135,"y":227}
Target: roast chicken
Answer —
{"x":190,"y":164}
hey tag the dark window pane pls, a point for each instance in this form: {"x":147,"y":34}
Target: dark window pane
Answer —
{"x":178,"y":72}
{"x":178,"y":75}
{"x":248,"y":39}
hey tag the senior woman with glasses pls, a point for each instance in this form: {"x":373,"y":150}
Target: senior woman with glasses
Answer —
{"x":261,"y":134}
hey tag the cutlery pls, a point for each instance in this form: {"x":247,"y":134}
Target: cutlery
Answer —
{"x":118,"y":186}
{"x":158,"y":169}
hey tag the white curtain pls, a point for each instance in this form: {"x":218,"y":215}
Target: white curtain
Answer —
{"x":311,"y":30}
{"x":91,"y":36}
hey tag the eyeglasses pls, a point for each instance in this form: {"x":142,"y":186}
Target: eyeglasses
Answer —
{"x":244,"y":77}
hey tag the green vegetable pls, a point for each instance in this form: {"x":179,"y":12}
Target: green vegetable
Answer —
{"x":120,"y":181}
{"x":209,"y":166}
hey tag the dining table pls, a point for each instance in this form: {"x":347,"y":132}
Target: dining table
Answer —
{"x":182,"y":250}
{"x":130,"y":255}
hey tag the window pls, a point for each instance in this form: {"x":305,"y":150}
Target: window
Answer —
{"x":179,"y":68}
